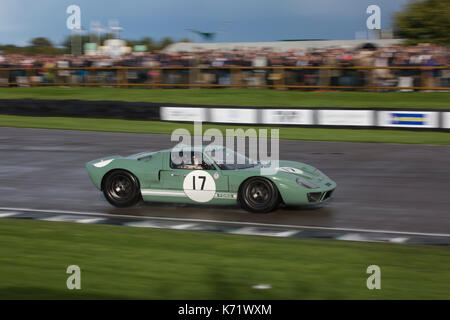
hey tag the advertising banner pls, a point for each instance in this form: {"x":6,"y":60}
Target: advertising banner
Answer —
{"x":234,"y":115}
{"x":412,"y":119}
{"x":346,"y":117}
{"x":287,"y":116}
{"x":183,"y":114}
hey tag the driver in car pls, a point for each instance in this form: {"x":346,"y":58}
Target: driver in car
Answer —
{"x":196,"y":165}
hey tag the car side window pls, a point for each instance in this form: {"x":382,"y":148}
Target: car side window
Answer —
{"x":195,"y":161}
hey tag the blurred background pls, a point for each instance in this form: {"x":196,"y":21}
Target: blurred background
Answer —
{"x":401,"y":46}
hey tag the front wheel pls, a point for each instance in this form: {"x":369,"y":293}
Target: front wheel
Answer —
{"x":259,"y":195}
{"x":121,"y":189}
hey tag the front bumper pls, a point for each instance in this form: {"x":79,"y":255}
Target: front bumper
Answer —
{"x":300,"y":196}
{"x":321,"y":196}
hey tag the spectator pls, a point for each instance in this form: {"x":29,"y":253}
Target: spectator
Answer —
{"x":423,"y":55}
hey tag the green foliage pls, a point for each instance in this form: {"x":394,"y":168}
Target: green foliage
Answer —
{"x":165,"y":42}
{"x":11,"y":49}
{"x":424,"y":21}
{"x":41,"y":42}
{"x":39,"y":45}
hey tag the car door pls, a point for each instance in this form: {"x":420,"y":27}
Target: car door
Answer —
{"x":189,"y":177}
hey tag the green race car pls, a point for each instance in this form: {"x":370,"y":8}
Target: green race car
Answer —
{"x":200,"y":178}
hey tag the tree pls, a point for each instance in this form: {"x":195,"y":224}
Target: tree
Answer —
{"x":41,"y":42}
{"x":148,"y":42}
{"x":424,"y":21}
{"x":165,"y":42}
{"x":40,"y":45}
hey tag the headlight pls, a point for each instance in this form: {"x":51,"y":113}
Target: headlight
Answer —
{"x":306,"y":183}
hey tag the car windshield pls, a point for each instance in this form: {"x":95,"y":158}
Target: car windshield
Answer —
{"x":227,"y":159}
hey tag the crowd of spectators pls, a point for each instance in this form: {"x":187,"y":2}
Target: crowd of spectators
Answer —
{"x":214,"y":65}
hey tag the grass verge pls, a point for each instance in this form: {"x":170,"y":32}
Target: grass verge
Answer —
{"x":241,"y":97}
{"x":124,"y":262}
{"x":289,"y":133}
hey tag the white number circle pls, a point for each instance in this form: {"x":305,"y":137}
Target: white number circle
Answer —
{"x":199,"y":186}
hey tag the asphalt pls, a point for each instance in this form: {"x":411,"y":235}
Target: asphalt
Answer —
{"x":380,"y":186}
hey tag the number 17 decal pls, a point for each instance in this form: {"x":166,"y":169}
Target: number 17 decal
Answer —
{"x":203,"y":183}
{"x":199,"y":186}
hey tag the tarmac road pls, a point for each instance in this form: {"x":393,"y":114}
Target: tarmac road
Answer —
{"x":380,"y":186}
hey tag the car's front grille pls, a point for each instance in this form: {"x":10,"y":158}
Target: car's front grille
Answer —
{"x":314,"y":196}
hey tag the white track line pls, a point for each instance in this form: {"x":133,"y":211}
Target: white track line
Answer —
{"x":183,"y":226}
{"x":352,"y":237}
{"x":399,"y":240}
{"x":143,"y":224}
{"x":59,"y":218}
{"x":8,"y":214}
{"x":258,"y":232}
{"x":90,"y":220}
{"x":239,"y":223}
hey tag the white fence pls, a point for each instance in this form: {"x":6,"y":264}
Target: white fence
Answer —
{"x":312,"y":117}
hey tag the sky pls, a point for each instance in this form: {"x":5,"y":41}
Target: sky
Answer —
{"x":237,"y":20}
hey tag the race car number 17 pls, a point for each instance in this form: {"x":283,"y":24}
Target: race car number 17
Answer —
{"x":199,"y":186}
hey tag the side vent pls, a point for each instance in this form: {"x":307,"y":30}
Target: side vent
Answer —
{"x":145,"y":159}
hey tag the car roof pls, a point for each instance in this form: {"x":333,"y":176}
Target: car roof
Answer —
{"x":181,"y":147}
{"x":195,"y":148}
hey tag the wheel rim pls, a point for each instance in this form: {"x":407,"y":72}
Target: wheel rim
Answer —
{"x":258,"y":194}
{"x":121,"y":187}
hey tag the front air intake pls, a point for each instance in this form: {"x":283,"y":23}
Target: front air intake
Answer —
{"x":327,"y":195}
{"x":314,"y":196}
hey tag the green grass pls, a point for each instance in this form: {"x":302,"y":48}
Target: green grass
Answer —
{"x":290,"y":133}
{"x":123,"y":262}
{"x":241,"y":97}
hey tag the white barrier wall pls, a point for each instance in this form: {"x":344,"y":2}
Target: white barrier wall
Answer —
{"x":234,"y":115}
{"x":346,"y":117}
{"x":408,"y":119}
{"x":446,"y":120}
{"x":183,"y":114}
{"x":287,"y":116}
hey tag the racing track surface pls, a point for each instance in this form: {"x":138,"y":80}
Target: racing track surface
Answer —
{"x":380,"y":186}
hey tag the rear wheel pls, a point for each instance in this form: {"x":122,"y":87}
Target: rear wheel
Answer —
{"x":121,"y":189}
{"x":259,"y":195}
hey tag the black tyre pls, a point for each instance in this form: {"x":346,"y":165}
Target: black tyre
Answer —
{"x":259,"y":195}
{"x":121,"y":189}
